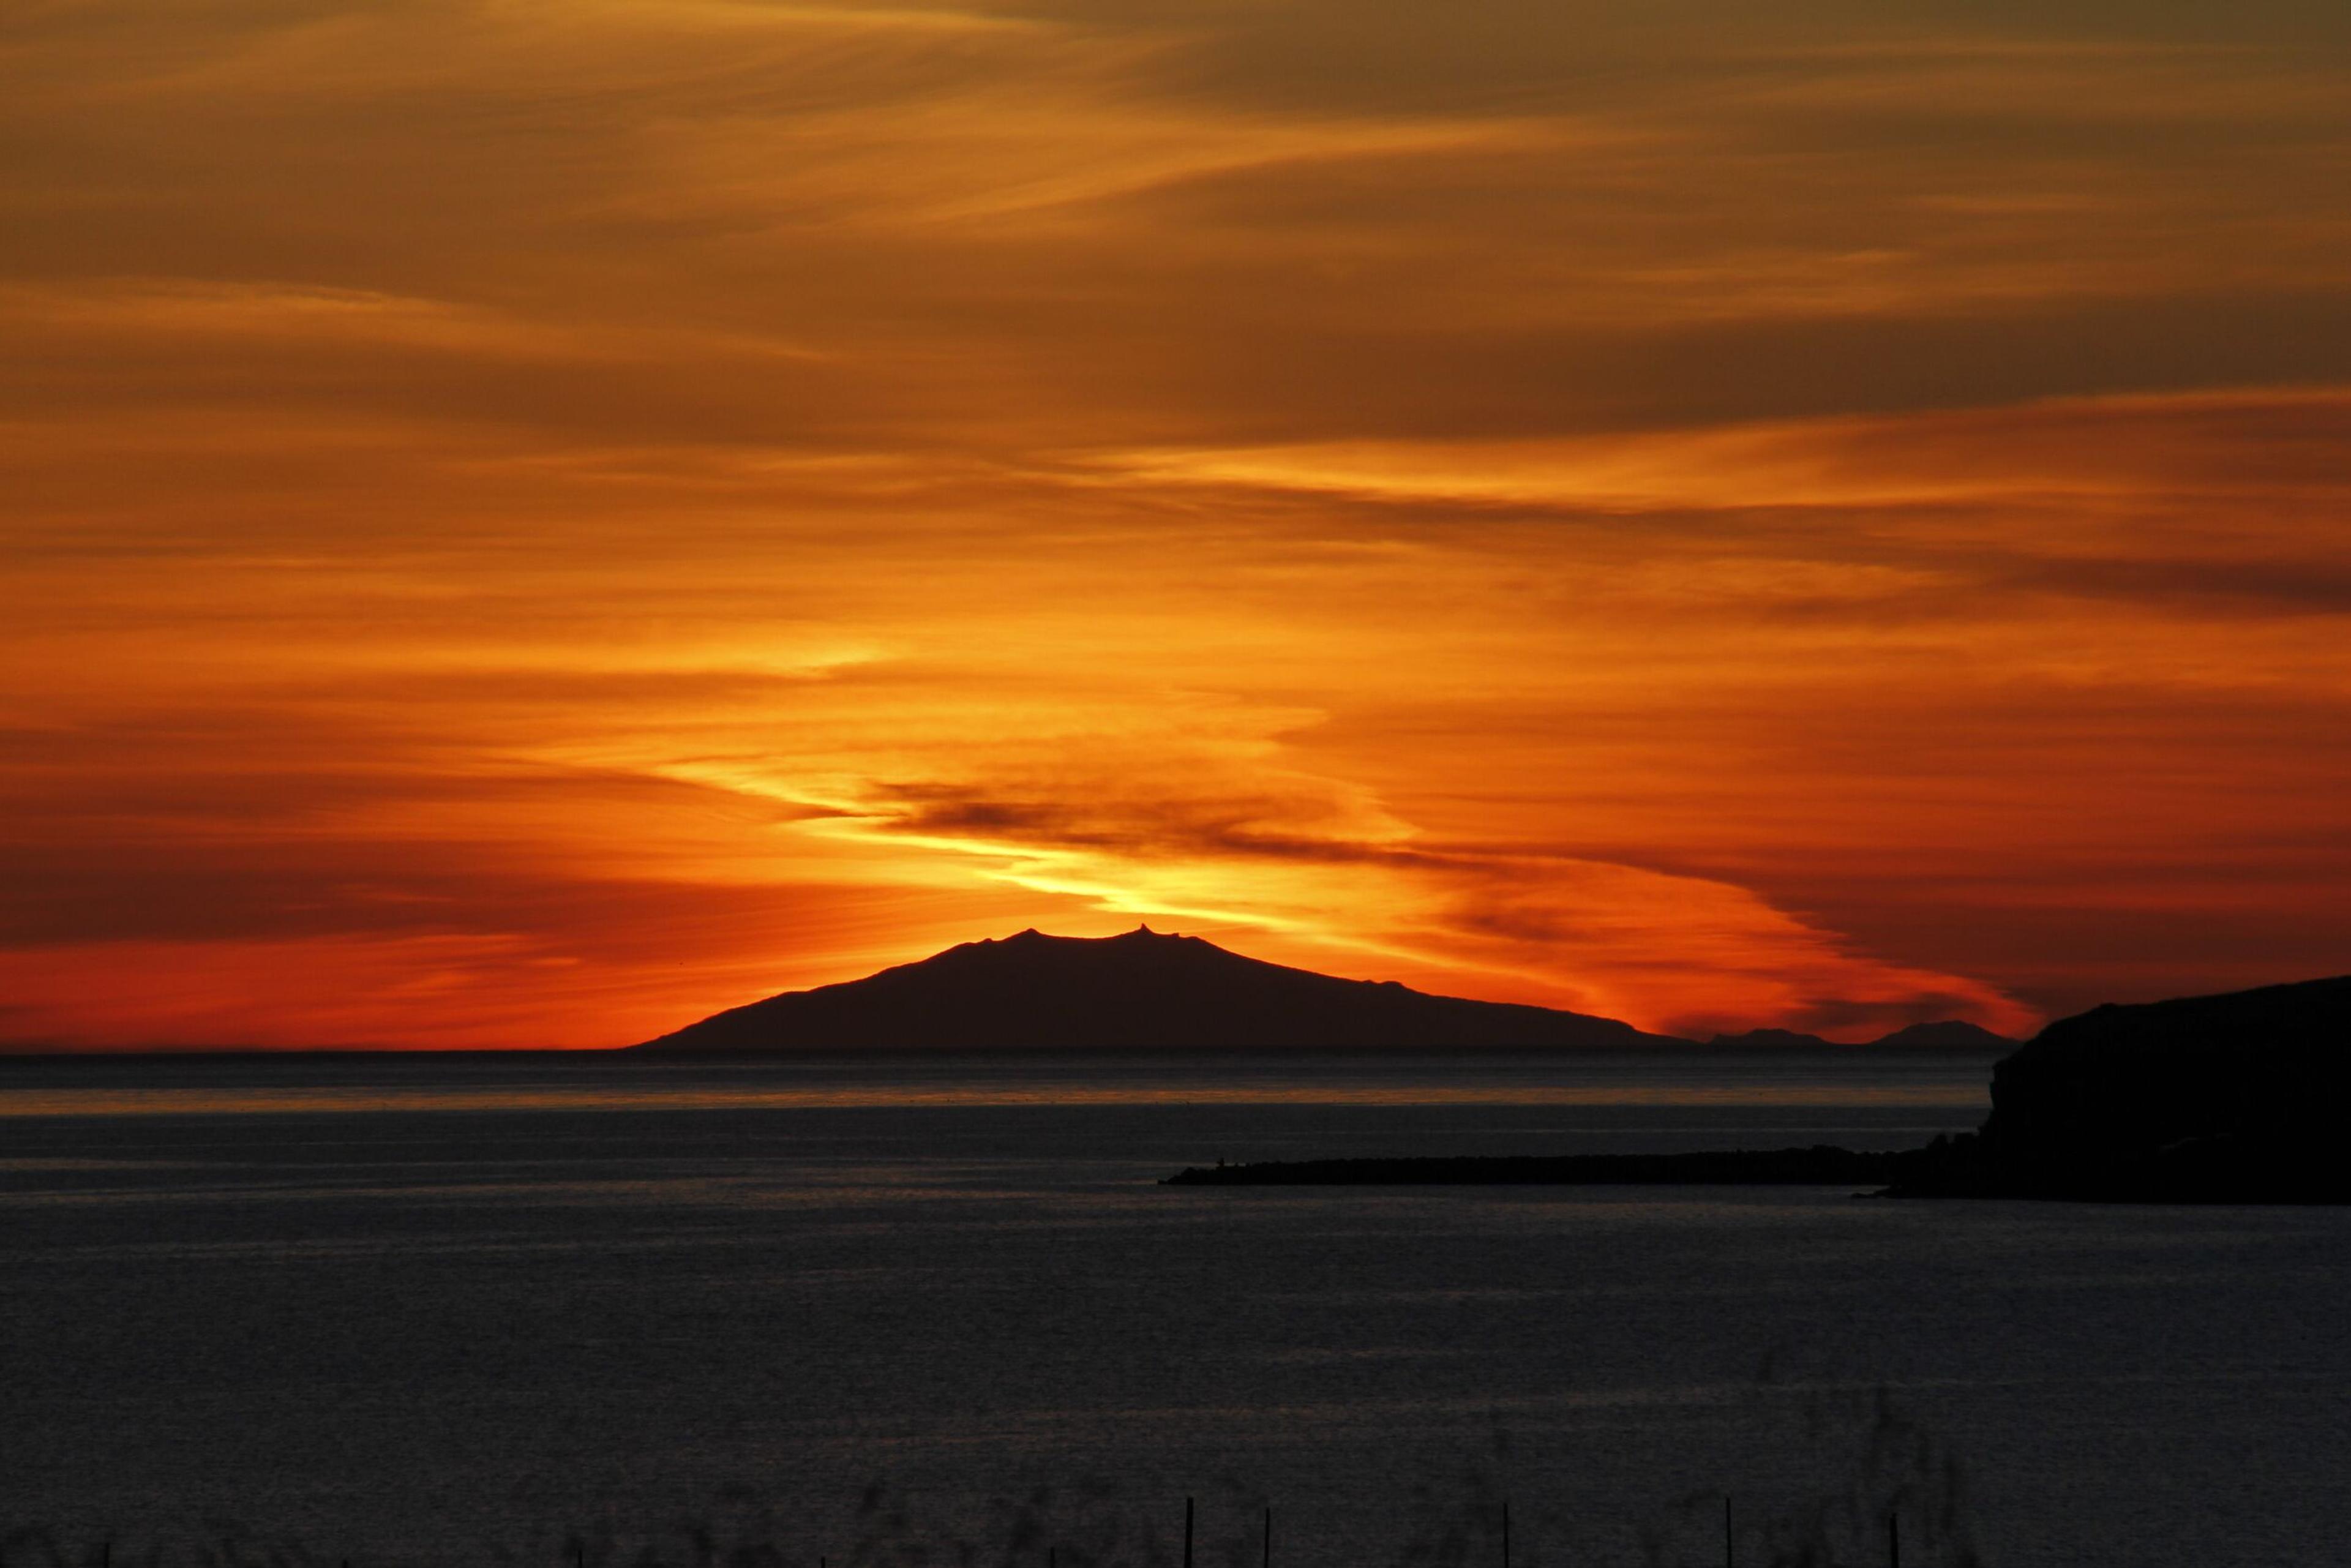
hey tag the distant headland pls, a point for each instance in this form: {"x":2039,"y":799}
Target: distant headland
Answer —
{"x":1149,"y":991}
{"x":2224,"y":1099}
{"x":2230,"y":1098}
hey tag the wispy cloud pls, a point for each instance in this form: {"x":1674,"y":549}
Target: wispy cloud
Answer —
{"x":551,"y":517}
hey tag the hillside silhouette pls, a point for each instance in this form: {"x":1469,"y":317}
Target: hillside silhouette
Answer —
{"x":1139,"y":991}
{"x":1145,"y":991}
{"x":1949,"y":1035}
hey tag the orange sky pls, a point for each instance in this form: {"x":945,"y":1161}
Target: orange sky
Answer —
{"x":529,"y":521}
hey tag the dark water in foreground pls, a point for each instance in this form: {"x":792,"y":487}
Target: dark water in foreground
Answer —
{"x":448,"y":1309}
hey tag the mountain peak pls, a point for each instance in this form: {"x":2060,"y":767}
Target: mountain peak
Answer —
{"x":1949,"y":1034}
{"x":1141,"y":989}
{"x":1161,"y":990}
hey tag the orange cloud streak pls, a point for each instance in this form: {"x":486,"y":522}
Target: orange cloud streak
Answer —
{"x":528,"y":523}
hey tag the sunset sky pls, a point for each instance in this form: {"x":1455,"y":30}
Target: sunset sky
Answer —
{"x":529,"y":521}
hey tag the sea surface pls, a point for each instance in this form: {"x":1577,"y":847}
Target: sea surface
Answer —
{"x":604,"y":1313}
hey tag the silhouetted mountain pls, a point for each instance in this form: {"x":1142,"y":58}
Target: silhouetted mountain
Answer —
{"x":1773,"y":1040}
{"x":1949,"y":1035}
{"x":1138,"y":991}
{"x":2207,"y":1099}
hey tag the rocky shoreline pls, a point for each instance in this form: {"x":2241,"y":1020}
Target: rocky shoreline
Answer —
{"x":2229,"y":1099}
{"x":1821,"y":1166}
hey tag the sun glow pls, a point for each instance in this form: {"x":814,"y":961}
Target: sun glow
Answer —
{"x":529,"y":524}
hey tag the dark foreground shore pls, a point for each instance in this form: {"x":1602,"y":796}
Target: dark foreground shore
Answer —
{"x":2227,"y":1099}
{"x":2210,"y":1170}
{"x":1820,"y":1165}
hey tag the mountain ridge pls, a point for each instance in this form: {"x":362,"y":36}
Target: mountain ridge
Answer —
{"x":1945,"y":1034}
{"x":1147,"y":990}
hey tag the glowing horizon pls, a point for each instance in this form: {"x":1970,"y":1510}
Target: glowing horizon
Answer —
{"x":533,"y":522}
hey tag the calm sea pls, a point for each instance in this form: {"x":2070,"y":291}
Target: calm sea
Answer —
{"x":551,"y":1311}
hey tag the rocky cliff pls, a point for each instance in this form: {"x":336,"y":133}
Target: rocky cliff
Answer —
{"x":2234,"y":1098}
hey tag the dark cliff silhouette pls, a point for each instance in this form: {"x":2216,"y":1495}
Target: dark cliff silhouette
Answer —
{"x":2237,"y":1097}
{"x":1139,"y":991}
{"x":2227,"y":1099}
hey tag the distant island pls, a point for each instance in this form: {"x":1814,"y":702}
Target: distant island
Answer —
{"x":1149,"y":991}
{"x":2225,"y":1099}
